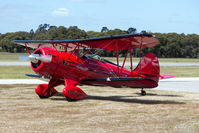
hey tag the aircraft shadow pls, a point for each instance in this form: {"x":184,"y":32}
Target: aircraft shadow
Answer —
{"x":131,"y":100}
{"x":154,"y":94}
{"x":124,"y":99}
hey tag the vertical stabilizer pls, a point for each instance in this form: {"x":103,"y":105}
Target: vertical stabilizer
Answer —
{"x":149,"y":67}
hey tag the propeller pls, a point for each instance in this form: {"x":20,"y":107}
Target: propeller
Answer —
{"x":23,"y":57}
{"x":36,"y":57}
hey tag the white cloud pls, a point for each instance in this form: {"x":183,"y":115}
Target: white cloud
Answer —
{"x":61,"y":12}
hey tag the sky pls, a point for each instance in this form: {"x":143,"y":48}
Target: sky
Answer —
{"x":164,"y":16}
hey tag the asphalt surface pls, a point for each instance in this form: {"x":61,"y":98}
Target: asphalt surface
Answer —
{"x":179,"y":84}
{"x":173,"y":84}
{"x":15,"y":63}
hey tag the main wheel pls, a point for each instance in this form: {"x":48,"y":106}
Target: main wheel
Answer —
{"x":42,"y":97}
{"x":70,"y":99}
{"x":73,"y":93}
{"x":43,"y":91}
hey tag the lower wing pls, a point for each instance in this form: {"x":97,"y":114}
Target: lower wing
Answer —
{"x":132,"y":82}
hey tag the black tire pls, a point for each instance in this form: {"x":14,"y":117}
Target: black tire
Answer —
{"x":70,"y":99}
{"x":42,"y":97}
{"x":143,"y":93}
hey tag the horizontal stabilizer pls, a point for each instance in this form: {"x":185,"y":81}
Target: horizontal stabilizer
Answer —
{"x":165,"y":76}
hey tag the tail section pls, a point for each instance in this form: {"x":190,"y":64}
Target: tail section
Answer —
{"x":149,"y":67}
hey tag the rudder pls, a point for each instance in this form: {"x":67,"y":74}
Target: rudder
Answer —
{"x":149,"y":67}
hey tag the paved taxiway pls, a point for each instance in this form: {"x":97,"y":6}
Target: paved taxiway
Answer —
{"x":173,"y":84}
{"x":179,"y":84}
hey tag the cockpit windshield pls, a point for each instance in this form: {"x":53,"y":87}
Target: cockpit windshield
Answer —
{"x":94,"y":56}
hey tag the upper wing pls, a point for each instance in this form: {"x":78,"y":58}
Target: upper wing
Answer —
{"x":110,"y":43}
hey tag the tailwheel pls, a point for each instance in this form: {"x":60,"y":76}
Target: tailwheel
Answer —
{"x":143,"y":92}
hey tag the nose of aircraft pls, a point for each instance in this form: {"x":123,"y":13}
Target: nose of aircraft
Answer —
{"x":35,"y":58}
{"x":44,"y":61}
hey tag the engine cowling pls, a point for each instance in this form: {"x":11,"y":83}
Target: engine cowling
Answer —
{"x":44,"y":61}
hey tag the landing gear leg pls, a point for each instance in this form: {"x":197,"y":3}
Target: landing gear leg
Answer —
{"x":47,"y":90}
{"x":143,"y":92}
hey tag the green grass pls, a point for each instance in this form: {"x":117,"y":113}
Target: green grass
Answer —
{"x":5,"y":56}
{"x":174,"y":60}
{"x":14,"y":72}
{"x":180,"y":71}
{"x":17,"y":72}
{"x":180,"y":60}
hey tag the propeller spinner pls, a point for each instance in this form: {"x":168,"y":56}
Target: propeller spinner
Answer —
{"x":37,"y":57}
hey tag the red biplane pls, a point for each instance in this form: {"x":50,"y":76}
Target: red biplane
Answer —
{"x":63,"y":64}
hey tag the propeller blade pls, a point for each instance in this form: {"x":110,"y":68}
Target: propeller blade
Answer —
{"x":23,"y":57}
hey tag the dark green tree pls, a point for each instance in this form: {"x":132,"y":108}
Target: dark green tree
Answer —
{"x":74,"y":32}
{"x":131,"y":30}
{"x":104,"y":29}
{"x":31,"y":34}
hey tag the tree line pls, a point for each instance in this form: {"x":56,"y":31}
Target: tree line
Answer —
{"x":172,"y":45}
